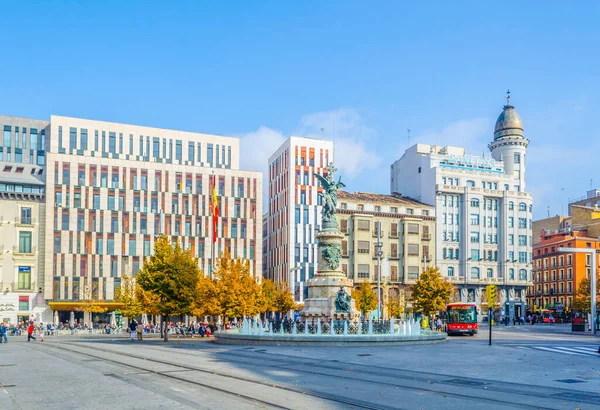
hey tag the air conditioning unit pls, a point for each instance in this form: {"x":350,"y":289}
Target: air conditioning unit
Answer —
{"x":58,"y":205}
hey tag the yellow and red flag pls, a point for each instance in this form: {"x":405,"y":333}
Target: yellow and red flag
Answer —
{"x":215,"y":210}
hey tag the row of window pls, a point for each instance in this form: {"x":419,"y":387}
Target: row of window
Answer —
{"x":475,"y":273}
{"x":18,"y":139}
{"x":116,"y":144}
{"x":561,"y":275}
{"x":551,"y":290}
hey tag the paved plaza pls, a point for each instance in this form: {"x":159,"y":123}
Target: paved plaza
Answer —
{"x":531,"y":367}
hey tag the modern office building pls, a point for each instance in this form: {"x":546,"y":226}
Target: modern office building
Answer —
{"x":294,"y":214}
{"x":112,"y":188}
{"x":407,"y":233}
{"x":484,"y":214}
{"x":22,"y":216}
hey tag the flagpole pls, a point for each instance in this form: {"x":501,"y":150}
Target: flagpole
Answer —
{"x":214,"y":229}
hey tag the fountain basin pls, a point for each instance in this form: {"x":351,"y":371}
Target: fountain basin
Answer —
{"x":234,"y":337}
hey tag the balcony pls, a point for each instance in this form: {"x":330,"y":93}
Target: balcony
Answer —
{"x":24,"y":252}
{"x":394,"y":255}
{"x":426,"y":236}
{"x":25,"y":221}
{"x":375,"y":233}
{"x":393,"y":234}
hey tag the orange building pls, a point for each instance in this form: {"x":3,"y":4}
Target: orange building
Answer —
{"x":556,"y":275}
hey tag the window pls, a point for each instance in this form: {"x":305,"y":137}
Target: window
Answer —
{"x":413,"y":249}
{"x":511,"y":239}
{"x":511,"y":206}
{"x":413,"y":228}
{"x":410,"y":211}
{"x":178,"y":154}
{"x":490,"y":273}
{"x":522,"y":223}
{"x":474,"y":273}
{"x":112,"y":142}
{"x":450,"y":271}
{"x":474,"y":254}
{"x":511,"y":274}
{"x":469,"y":183}
{"x":474,"y":219}
{"x":7,"y":130}
{"x":523,"y":206}
{"x":474,"y":237}
{"x":522,"y":257}
{"x":26,"y":215}
{"x":363,"y":225}
{"x":363,"y":271}
{"x":24,"y":278}
{"x":517,"y":158}
{"x":511,"y":222}
{"x":523,"y":275}
{"x":475,"y":203}
{"x":522,"y":240}
{"x":23,"y":303}
{"x":25,"y":242}
{"x":99,"y":246}
{"x":73,"y":138}
{"x":413,"y":272}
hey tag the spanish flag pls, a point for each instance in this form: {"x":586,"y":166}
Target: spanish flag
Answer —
{"x":215,"y":210}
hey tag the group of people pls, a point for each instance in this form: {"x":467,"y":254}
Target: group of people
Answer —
{"x":32,"y":331}
{"x":137,"y":329}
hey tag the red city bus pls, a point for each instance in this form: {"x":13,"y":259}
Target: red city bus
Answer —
{"x":461,"y":318}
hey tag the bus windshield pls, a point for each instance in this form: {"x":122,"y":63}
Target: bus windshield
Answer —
{"x":462,"y":314}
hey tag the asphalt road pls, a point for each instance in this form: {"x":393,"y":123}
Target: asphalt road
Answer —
{"x":529,"y":367}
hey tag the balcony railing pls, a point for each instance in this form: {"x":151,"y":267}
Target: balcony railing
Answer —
{"x":362,"y":250}
{"x":393,"y":234}
{"x":24,"y":251}
{"x":29,"y":221}
{"x":426,"y":236}
{"x":375,"y":233}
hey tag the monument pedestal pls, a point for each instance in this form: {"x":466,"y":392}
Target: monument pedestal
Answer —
{"x":323,"y":288}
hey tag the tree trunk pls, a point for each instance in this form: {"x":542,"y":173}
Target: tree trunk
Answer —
{"x":166,"y":332}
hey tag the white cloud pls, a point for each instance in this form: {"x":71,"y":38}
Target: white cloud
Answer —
{"x":473,"y":135}
{"x":346,"y":128}
{"x":257,"y":146}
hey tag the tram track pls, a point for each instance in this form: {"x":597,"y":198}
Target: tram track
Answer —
{"x":321,"y":369}
{"x":355,"y":404}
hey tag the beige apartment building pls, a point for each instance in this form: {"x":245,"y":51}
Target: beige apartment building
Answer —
{"x":407,"y":236}
{"x":112,"y":188}
{"x":22,"y":213}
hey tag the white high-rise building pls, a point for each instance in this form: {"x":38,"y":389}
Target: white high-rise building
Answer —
{"x":294,"y":214}
{"x":484,"y":215}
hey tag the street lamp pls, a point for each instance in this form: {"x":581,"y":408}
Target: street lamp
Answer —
{"x":591,"y":252}
{"x":379,"y":246}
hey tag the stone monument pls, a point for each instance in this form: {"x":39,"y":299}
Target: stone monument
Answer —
{"x":328,"y":296}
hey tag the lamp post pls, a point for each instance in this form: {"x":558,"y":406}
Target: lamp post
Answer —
{"x":591,"y":252}
{"x":293,"y":287}
{"x":378,"y":246}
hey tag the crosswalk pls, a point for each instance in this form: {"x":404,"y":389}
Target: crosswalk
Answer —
{"x":575,"y":350}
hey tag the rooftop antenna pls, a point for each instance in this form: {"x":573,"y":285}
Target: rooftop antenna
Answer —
{"x":322,"y":132}
{"x":507,"y":97}
{"x":548,"y":211}
{"x":591,"y":183}
{"x":408,"y":136}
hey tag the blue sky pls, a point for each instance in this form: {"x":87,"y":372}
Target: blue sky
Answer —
{"x":364,"y":72}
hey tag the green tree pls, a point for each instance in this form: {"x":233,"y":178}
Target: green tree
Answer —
{"x":583,"y":296}
{"x":365,"y":297}
{"x":238,"y":292}
{"x":283,"y":301}
{"x":431,"y":292}
{"x":172,"y":276}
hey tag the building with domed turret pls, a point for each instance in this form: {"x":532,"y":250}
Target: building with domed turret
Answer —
{"x":483,"y":212}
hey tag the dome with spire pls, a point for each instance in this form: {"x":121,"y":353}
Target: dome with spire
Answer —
{"x":508,"y":123}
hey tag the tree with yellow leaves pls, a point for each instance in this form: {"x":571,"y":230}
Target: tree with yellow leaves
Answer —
{"x":396,"y":304}
{"x":90,"y":301}
{"x":431,"y":292}
{"x":207,"y":298}
{"x":171,"y":275}
{"x":238,"y":292}
{"x":128,"y":295}
{"x":284,"y":301}
{"x":365,"y":297}
{"x":267,"y":294}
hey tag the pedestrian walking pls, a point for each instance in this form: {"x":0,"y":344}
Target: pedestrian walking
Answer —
{"x":41,"y":332}
{"x":139,"y":330}
{"x":132,"y":329}
{"x":30,"y":331}
{"x":3,"y":338}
